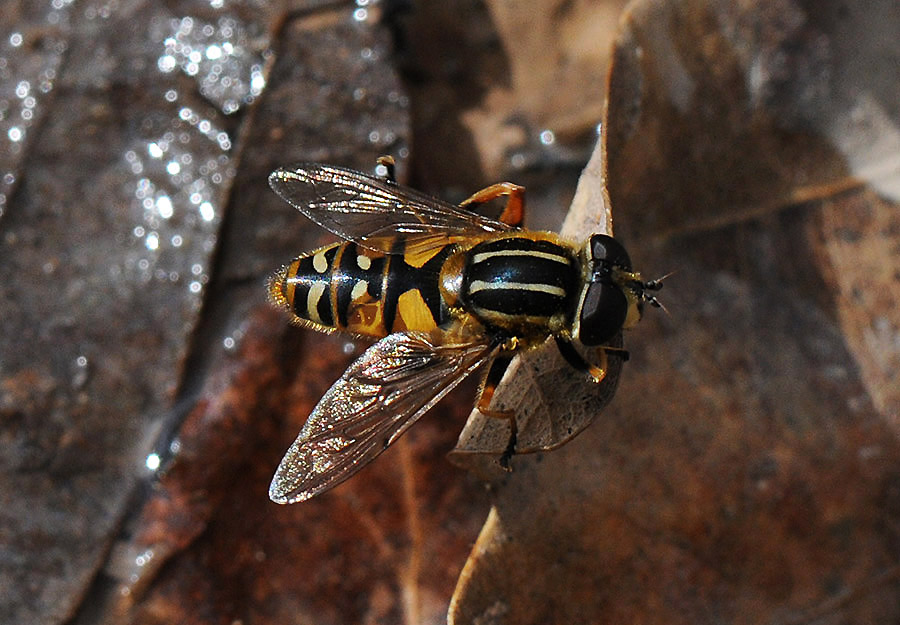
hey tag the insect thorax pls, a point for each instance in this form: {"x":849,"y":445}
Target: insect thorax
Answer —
{"x":521,"y":282}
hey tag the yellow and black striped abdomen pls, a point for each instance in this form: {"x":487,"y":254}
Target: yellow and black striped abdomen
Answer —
{"x":351,"y":288}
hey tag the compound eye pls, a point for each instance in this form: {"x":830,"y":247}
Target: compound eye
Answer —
{"x":603,"y":313}
{"x":606,"y":249}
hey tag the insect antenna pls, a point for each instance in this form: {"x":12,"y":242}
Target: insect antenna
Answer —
{"x":654,"y":285}
{"x":657,"y":304}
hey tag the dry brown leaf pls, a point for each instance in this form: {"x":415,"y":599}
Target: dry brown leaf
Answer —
{"x":746,"y":470}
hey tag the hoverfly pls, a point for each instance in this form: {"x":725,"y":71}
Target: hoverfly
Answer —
{"x":445,"y":291}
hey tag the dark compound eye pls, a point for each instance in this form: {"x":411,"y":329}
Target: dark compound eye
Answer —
{"x":605,"y":249}
{"x":602,"y":313}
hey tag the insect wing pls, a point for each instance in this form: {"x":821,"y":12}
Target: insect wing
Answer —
{"x":372,"y":211}
{"x":383,"y":392}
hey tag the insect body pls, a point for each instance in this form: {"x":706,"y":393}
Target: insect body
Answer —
{"x":348,"y":287}
{"x":445,"y":290}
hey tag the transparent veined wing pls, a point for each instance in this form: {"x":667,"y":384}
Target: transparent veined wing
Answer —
{"x":372,"y":211}
{"x":383,"y":392}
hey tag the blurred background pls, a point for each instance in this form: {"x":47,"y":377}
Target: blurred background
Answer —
{"x":746,"y":471}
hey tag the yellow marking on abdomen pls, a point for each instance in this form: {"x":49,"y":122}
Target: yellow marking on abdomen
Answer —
{"x":320,"y":263}
{"x":366,"y":319}
{"x":413,"y":313}
{"x":312,"y":300}
{"x":359,"y":290}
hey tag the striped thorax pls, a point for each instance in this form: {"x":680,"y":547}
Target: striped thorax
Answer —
{"x":523,"y":284}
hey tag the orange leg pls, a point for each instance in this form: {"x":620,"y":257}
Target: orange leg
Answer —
{"x":514,"y":212}
{"x":491,"y":380}
{"x":597,"y":372}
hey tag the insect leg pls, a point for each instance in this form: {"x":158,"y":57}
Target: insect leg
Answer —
{"x":387,"y":161}
{"x":491,"y":380}
{"x":578,"y":362}
{"x":514,"y":212}
{"x":620,"y":351}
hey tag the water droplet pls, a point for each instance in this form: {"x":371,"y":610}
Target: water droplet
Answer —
{"x":166,"y":63}
{"x":257,"y":82}
{"x":164,"y":206}
{"x":144,"y":558}
{"x":207,"y":212}
{"x":81,"y":372}
{"x":152,"y":462}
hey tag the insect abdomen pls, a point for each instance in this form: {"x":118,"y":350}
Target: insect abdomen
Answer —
{"x":515,"y":279}
{"x":347,"y":287}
